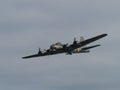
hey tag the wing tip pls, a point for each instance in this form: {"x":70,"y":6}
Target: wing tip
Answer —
{"x":105,"y":34}
{"x":24,"y":57}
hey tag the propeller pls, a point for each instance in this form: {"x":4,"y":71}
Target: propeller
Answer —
{"x":82,"y":39}
{"x":39,"y":52}
{"x":74,"y":42}
{"x":74,"y":38}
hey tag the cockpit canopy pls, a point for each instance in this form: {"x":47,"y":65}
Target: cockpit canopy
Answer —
{"x":57,"y":45}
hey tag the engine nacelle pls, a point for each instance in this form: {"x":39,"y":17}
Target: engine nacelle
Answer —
{"x":79,"y":50}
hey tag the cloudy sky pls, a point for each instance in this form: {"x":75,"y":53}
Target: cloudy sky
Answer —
{"x":26,"y":25}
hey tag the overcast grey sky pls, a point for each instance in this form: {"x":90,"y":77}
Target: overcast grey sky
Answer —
{"x":26,"y":25}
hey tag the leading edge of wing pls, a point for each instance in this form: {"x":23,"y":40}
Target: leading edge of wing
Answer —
{"x":92,"y":39}
{"x":32,"y":56}
{"x":45,"y":54}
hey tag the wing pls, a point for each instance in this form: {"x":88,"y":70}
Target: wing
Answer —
{"x":36,"y":55}
{"x":48,"y":52}
{"x":85,"y":42}
{"x":92,"y":39}
{"x":31,"y":56}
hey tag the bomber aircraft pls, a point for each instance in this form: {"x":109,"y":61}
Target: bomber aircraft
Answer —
{"x":75,"y":47}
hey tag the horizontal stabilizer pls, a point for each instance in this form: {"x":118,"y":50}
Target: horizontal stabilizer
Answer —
{"x":86,"y":48}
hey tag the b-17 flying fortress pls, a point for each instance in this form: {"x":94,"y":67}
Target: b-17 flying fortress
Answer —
{"x":75,"y":47}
